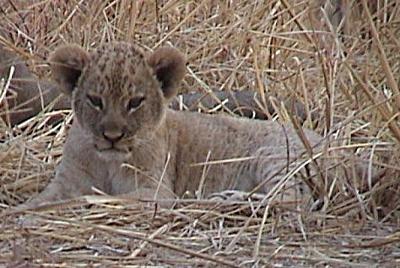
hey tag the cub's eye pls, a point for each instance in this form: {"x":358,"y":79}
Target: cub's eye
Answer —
{"x":95,"y":101}
{"x":135,"y":103}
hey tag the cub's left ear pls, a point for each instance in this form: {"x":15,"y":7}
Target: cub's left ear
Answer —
{"x":169,"y":66}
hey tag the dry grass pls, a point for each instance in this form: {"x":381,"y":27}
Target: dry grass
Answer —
{"x":278,"y":48}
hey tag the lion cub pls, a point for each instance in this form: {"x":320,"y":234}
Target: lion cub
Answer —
{"x":124,"y":139}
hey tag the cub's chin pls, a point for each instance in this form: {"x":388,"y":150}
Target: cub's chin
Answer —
{"x":113,"y":154}
{"x":110,"y":153}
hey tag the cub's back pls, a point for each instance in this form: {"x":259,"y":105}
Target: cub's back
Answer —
{"x":231,"y":153}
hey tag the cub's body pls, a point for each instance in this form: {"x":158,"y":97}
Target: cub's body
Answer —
{"x":124,"y":139}
{"x":227,"y":153}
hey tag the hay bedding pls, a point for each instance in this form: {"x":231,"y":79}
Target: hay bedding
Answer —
{"x":256,"y":45}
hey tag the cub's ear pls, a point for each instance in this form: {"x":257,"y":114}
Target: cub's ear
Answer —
{"x":67,"y":63}
{"x":169,"y":66}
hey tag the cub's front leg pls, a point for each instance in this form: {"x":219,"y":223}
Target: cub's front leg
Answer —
{"x":148,"y":186}
{"x":68,"y":183}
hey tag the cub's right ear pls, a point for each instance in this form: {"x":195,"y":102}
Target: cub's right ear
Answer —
{"x":67,"y":63}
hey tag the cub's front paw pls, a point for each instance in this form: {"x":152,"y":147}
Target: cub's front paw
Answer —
{"x":235,"y":196}
{"x":24,"y":217}
{"x":28,"y":220}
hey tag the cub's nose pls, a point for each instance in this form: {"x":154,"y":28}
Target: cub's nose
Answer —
{"x":113,"y":136}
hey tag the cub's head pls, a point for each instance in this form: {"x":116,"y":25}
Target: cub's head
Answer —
{"x":118,"y":93}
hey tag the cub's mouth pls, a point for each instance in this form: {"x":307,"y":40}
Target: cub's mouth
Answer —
{"x":113,"y":154}
{"x":108,"y":149}
{"x":111,"y":150}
